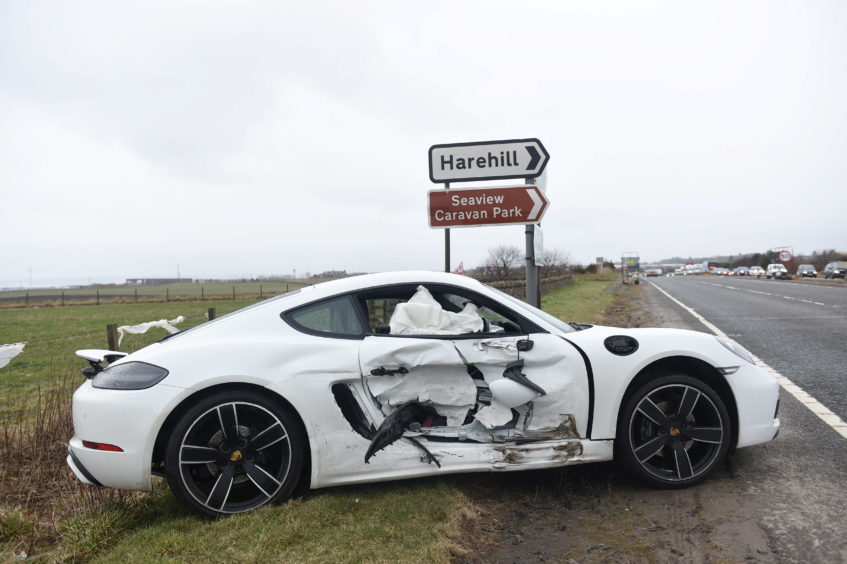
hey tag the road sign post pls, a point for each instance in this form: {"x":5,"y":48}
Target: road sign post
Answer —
{"x":490,"y":160}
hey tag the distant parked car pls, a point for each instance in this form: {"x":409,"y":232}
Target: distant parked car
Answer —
{"x":721,"y":271}
{"x":653,"y":272}
{"x":741,"y":271}
{"x":806,"y":271}
{"x":836,"y":269}
{"x":757,"y":271}
{"x":778,"y":271}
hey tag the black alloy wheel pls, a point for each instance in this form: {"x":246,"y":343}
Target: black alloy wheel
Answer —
{"x":233,"y":452}
{"x":673,"y":431}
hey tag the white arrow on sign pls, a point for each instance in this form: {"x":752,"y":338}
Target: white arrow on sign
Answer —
{"x":487,"y":160}
{"x":537,"y":204}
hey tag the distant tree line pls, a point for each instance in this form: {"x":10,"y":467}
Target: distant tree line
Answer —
{"x":508,"y":262}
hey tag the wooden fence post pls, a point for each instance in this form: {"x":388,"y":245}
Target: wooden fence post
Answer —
{"x":27,"y":299}
{"x":213,"y":313}
{"x":203,"y":293}
{"x":98,"y":298}
{"x":167,"y":294}
{"x":63,"y":297}
{"x":136,"y":295}
{"x":112,"y":336}
{"x":233,"y":292}
{"x":261,"y":295}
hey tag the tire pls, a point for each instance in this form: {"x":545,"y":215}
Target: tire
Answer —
{"x":232,"y":452}
{"x":665,"y":448}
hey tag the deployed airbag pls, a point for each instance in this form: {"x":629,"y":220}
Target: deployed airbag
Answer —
{"x":423,"y":315}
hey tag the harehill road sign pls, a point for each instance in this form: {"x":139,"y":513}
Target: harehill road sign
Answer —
{"x":487,"y":160}
{"x":486,"y":206}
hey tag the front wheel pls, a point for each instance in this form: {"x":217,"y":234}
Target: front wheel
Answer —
{"x":232,"y":452}
{"x":673,"y":431}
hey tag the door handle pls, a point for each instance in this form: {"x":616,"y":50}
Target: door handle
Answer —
{"x":382,"y":371}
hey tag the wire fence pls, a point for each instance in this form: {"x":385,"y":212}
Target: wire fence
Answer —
{"x":145,"y":294}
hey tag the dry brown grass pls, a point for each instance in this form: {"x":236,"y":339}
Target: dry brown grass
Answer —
{"x":36,"y":486}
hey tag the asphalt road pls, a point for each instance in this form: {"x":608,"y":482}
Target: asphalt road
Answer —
{"x":796,"y":486}
{"x":798,"y":329}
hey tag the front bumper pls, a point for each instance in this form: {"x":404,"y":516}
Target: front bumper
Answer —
{"x":129,"y":419}
{"x":756,"y":397}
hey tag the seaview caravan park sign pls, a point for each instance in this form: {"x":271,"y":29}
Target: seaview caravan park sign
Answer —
{"x":475,"y":207}
{"x":487,"y":160}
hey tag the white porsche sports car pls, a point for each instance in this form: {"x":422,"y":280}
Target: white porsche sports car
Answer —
{"x":398,"y":375}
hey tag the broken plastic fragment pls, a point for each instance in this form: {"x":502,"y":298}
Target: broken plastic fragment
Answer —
{"x":8,"y":352}
{"x":494,"y":415}
{"x":513,"y":372}
{"x":395,"y":425}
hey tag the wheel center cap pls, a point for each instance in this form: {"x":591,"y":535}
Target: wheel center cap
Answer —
{"x":235,"y":456}
{"x":674,"y":432}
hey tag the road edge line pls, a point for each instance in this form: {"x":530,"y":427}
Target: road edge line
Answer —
{"x":816,"y":407}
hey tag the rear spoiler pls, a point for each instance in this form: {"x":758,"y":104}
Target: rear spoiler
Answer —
{"x":96,"y":358}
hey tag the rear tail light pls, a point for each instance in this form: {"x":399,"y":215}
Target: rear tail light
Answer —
{"x":101,"y":446}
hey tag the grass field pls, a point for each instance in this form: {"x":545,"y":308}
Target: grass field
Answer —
{"x":46,"y":513}
{"x":146,"y":293}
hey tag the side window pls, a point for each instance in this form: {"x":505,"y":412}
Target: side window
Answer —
{"x":334,"y":317}
{"x":380,"y":310}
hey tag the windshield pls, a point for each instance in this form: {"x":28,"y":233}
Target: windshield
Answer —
{"x":554,"y":321}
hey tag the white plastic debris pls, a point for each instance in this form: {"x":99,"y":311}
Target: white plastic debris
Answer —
{"x":423,"y":315}
{"x":144,"y":327}
{"x":8,"y":352}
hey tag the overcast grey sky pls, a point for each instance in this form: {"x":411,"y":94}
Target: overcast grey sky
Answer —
{"x":247,"y":138}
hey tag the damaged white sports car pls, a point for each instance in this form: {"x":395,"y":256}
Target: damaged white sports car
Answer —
{"x":407,"y":374}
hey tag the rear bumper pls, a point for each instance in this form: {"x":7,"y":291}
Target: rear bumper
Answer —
{"x":128,"y":419}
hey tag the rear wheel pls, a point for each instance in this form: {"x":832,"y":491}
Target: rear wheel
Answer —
{"x":233,"y":452}
{"x":673,"y":431}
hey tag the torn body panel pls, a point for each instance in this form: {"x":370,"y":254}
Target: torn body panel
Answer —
{"x":434,"y":374}
{"x":404,"y":460}
{"x":562,"y":374}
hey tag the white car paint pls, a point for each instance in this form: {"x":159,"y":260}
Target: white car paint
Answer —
{"x":574,"y":421}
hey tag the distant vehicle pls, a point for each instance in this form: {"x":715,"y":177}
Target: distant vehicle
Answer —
{"x":778,"y":271}
{"x":711,"y":265}
{"x":806,"y":271}
{"x":757,"y":271}
{"x":721,"y":271}
{"x":836,"y":269}
{"x":653,"y":272}
{"x":741,"y":271}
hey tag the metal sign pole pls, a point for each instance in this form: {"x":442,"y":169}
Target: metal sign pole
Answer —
{"x":531,"y":269}
{"x":447,"y":240}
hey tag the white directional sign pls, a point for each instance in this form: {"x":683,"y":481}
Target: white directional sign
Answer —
{"x":487,"y":160}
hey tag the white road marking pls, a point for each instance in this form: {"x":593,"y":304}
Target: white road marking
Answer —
{"x":816,"y":407}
